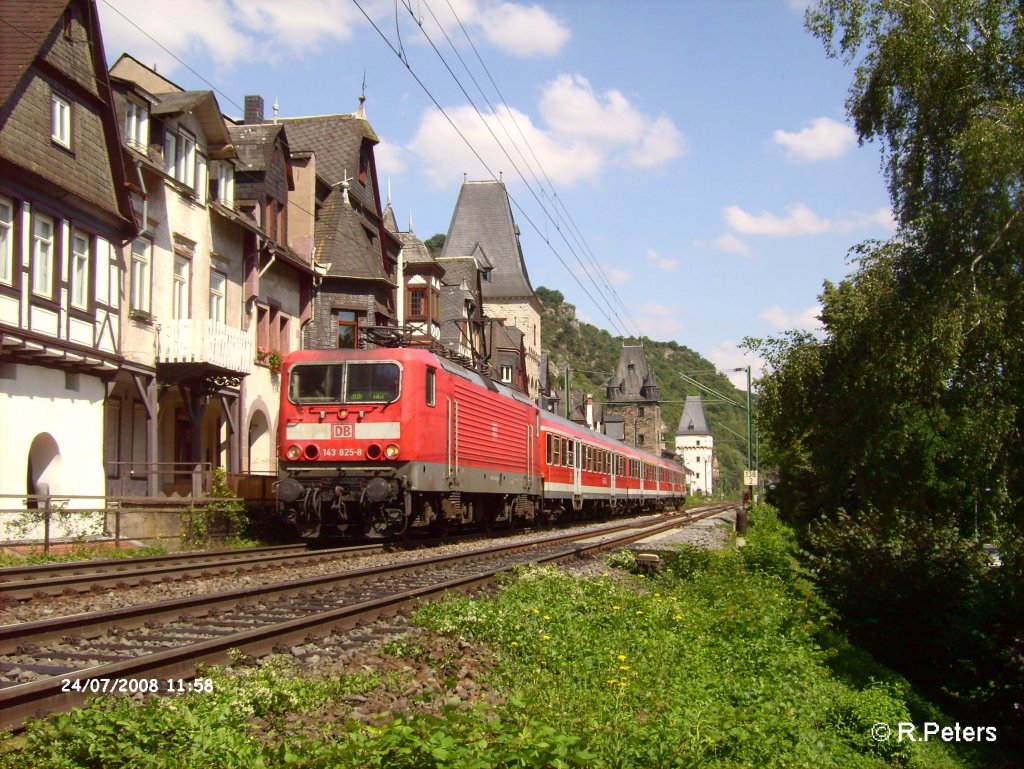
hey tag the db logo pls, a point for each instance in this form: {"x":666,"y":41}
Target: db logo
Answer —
{"x":343,"y":431}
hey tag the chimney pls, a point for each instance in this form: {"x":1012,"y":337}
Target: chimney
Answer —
{"x":253,"y":110}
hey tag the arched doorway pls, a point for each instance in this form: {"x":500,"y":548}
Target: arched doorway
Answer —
{"x":44,"y":468}
{"x":260,"y":445}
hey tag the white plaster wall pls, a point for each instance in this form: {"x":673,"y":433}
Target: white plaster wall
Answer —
{"x":699,"y":459}
{"x":36,"y":401}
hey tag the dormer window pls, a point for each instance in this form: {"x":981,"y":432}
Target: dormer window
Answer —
{"x":136,"y":126}
{"x":225,"y":193}
{"x":180,"y":157}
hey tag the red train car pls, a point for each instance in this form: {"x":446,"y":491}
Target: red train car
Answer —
{"x":383,"y":441}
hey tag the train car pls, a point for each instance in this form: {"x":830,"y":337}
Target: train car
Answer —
{"x":383,"y":442}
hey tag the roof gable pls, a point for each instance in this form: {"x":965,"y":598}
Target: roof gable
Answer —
{"x":482,"y":226}
{"x":693,"y":420}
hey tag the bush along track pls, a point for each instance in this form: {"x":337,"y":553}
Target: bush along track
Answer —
{"x":725,"y":659}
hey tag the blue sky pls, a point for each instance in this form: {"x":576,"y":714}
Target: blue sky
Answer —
{"x":689,"y":170}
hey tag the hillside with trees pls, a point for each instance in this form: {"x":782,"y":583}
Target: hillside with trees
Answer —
{"x":592,"y":354}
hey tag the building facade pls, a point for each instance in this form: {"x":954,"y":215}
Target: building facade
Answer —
{"x":633,"y":400}
{"x":695,"y":447}
{"x":64,"y":215}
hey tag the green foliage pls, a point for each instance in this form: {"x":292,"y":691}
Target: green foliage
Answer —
{"x":907,"y":413}
{"x":80,"y":552}
{"x":435,"y":243}
{"x":223,"y":513}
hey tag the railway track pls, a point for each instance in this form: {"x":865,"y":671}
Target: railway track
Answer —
{"x":54,"y":664}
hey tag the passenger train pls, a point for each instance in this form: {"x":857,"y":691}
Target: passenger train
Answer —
{"x":385,"y":442}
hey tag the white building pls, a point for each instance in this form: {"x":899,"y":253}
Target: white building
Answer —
{"x":695,"y":447}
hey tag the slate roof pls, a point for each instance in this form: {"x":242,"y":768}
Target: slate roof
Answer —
{"x":693,"y":420}
{"x":389,"y":220}
{"x":254,"y":144}
{"x":633,"y":380}
{"x":341,"y":239}
{"x":341,"y":236}
{"x":414,"y":251}
{"x":30,"y":23}
{"x":336,"y":141}
{"x":482,"y":226}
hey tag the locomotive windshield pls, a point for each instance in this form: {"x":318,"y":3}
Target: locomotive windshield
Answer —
{"x":368,"y":382}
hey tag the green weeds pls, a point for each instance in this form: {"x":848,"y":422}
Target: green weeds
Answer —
{"x":725,"y":660}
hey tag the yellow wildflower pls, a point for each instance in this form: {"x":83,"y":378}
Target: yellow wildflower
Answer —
{"x":623,"y":667}
{"x":616,"y":608}
{"x":546,"y":638}
{"x":546,"y":617}
{"x":622,"y":658}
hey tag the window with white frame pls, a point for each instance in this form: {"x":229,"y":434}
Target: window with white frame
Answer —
{"x":226,"y":184}
{"x":506,"y":374}
{"x":170,"y":152}
{"x":136,"y":125}
{"x":80,"y":270}
{"x":218,"y":296}
{"x":185,"y":171}
{"x":60,"y":120}
{"x":6,"y":241}
{"x":142,"y":255}
{"x":179,"y":291}
{"x":42,"y":255}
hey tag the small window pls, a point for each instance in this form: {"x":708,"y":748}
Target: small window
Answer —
{"x":170,"y":153}
{"x":6,"y":241}
{"x":506,"y":374}
{"x":218,"y":303}
{"x":417,"y":302}
{"x":80,"y":271}
{"x":550,"y":450}
{"x":60,"y":120}
{"x":140,"y":288}
{"x":348,"y":329}
{"x":226,"y":184}
{"x":185,"y":171}
{"x":431,"y":386}
{"x":42,"y":256}
{"x":136,"y":126}
{"x":180,"y":288}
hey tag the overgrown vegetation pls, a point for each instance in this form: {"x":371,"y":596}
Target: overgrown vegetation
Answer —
{"x":898,"y":432}
{"x":80,"y":552}
{"x":725,"y":659}
{"x":222,"y":516}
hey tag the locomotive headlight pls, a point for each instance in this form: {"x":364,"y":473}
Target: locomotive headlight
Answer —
{"x":342,"y":413}
{"x":391,"y":452}
{"x":293,"y":452}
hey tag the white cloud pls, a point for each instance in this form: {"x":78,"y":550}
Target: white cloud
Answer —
{"x":659,"y":321}
{"x":782,"y":320}
{"x":584,"y":132}
{"x":526,"y":31}
{"x":666,"y":263}
{"x":728,"y":355}
{"x":616,"y":276}
{"x":229,"y":31}
{"x":445,"y":156}
{"x":731,"y":244}
{"x":800,"y":220}
{"x":390,"y":159}
{"x":823,"y":139}
{"x":575,"y":112}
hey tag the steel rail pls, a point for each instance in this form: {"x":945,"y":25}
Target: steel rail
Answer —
{"x":37,"y":698}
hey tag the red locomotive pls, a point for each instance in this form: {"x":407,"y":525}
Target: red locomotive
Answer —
{"x":381,"y":442}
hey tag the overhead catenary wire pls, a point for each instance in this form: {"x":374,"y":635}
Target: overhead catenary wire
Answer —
{"x":617,"y":320}
{"x":578,"y":235}
{"x":469,"y":144}
{"x":555,"y":217}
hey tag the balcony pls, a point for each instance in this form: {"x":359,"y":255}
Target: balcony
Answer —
{"x":204,"y":348}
